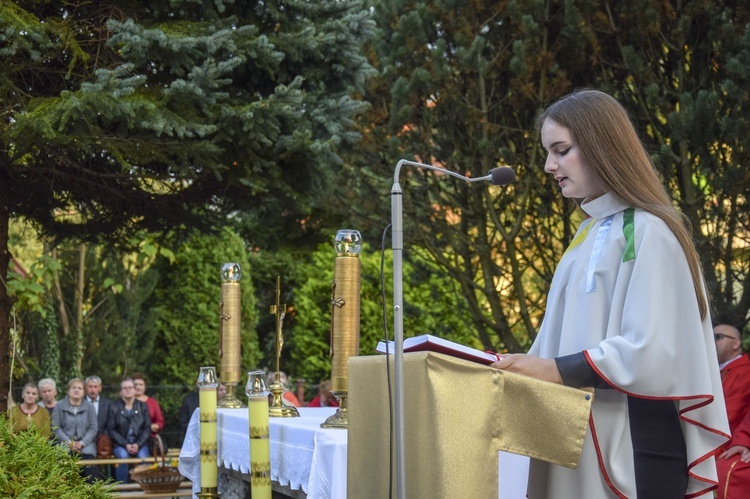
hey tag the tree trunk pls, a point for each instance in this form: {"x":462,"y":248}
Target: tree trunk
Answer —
{"x":6,"y":302}
{"x":64,"y":321}
{"x":79,"y":308}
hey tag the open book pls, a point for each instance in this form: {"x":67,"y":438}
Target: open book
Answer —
{"x":427,"y":342}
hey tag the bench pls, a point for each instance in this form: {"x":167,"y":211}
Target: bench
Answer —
{"x":133,"y":490}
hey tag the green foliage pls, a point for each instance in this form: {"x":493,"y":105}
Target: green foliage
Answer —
{"x":460,"y":84}
{"x":50,"y":357}
{"x":31,"y":467}
{"x":465,"y":98}
{"x":125,"y":117}
{"x":185,"y":309}
{"x":262,"y":95}
{"x":121,"y":111}
{"x":119,"y":288}
{"x":30,"y":290}
{"x":432,"y":306}
{"x":36,"y":316}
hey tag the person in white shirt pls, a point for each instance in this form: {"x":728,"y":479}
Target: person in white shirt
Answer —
{"x":627,"y":315}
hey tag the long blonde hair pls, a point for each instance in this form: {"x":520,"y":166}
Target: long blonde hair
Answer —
{"x":601,"y":127}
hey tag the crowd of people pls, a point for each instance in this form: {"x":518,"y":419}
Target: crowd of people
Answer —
{"x":89,"y":424}
{"x":324,"y":397}
{"x":93,"y":426}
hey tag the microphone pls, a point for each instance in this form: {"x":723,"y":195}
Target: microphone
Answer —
{"x":502,"y":175}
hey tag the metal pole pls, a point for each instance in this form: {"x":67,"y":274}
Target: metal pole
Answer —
{"x":505,"y":176}
{"x":397,"y":236}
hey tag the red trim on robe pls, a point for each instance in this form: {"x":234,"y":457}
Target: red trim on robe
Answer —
{"x":706,"y":399}
{"x":601,"y":460}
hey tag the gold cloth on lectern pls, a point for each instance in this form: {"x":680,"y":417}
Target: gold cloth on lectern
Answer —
{"x":458,"y":415}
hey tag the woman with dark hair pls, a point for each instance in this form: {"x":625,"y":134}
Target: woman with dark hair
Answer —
{"x":627,"y":315}
{"x":75,"y":427}
{"x":28,"y":413}
{"x":129,"y":427}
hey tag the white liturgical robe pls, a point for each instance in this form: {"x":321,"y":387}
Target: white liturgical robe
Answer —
{"x":623,"y":295}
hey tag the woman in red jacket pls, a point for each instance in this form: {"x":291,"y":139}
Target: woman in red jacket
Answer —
{"x":154,"y":409}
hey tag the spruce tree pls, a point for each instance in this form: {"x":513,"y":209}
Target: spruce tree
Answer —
{"x":121,"y":116}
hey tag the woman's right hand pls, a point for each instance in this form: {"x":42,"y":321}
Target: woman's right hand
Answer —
{"x":529,"y":365}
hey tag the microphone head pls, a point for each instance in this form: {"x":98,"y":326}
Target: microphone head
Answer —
{"x":502,"y":175}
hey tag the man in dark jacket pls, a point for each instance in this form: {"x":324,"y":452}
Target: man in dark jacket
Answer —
{"x":189,"y":404}
{"x":101,"y":405}
{"x":129,"y":427}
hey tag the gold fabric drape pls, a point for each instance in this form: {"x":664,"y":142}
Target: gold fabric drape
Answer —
{"x":458,"y":415}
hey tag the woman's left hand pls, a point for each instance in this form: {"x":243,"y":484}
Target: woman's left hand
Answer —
{"x":530,"y":365}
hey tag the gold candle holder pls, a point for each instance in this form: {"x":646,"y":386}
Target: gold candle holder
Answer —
{"x":277,"y":408}
{"x":230,"y":313}
{"x":207,"y":393}
{"x":345,"y":295}
{"x":260,"y":443}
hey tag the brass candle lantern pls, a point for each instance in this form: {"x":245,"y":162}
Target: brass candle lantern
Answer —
{"x":230,"y":312}
{"x":345,"y":295}
{"x":260,"y":443}
{"x":278,"y":409}
{"x":207,"y":394}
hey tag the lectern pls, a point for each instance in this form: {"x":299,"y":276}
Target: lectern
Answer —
{"x":459,"y":415}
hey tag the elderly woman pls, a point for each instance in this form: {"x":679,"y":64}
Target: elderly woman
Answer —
{"x":47,"y":393}
{"x":75,"y":427}
{"x":29,"y":413}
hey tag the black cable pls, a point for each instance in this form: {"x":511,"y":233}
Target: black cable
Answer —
{"x":387,"y":361}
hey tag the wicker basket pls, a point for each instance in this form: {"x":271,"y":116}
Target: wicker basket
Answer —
{"x":161,"y":478}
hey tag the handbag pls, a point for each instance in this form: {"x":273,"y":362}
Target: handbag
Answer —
{"x":103,"y":446}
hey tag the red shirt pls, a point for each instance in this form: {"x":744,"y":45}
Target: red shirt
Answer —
{"x":315,"y":402}
{"x":735,"y":380}
{"x":291,"y":398}
{"x":154,"y":412}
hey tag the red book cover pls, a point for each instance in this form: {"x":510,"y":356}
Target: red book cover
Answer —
{"x":429,"y":343}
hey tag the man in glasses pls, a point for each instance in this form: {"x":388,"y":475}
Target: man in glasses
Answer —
{"x":735,"y":372}
{"x":733,"y":463}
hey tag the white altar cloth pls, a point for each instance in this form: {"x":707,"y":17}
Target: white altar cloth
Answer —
{"x":306,"y":456}
{"x":303,"y":455}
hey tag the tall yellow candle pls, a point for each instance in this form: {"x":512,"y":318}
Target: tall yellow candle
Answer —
{"x":260,"y":444}
{"x":207,"y":394}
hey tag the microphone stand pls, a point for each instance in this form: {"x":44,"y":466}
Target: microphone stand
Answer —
{"x":397,"y":236}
